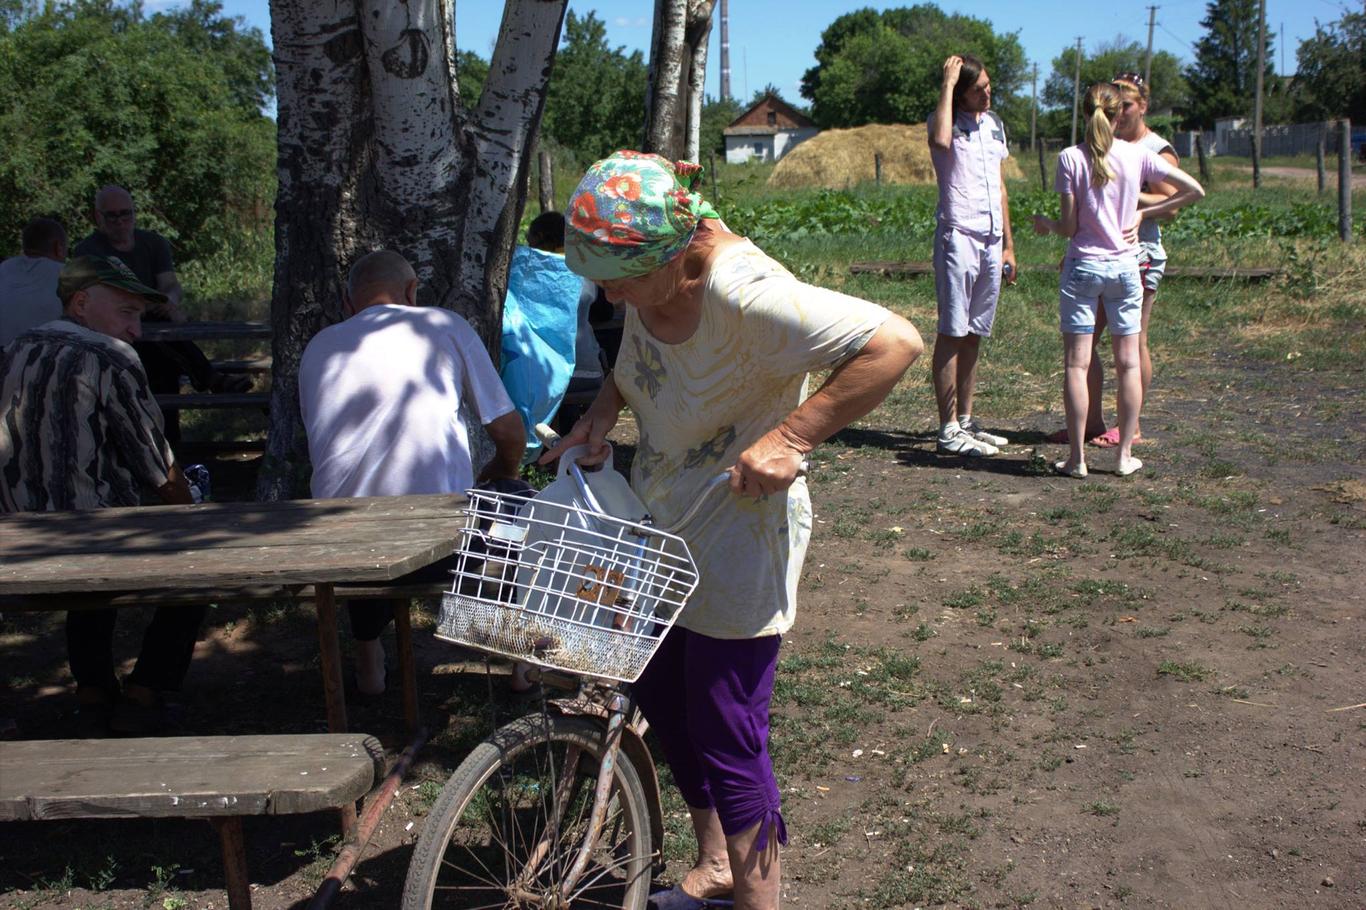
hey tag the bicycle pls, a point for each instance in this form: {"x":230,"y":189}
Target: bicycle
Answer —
{"x":558,"y":809}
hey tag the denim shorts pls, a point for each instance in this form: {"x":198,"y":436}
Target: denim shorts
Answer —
{"x":1086,"y":282}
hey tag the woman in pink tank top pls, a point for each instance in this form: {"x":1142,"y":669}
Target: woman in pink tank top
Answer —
{"x":1099,"y":182}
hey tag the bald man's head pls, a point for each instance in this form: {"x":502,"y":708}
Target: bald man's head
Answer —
{"x":380,"y":277}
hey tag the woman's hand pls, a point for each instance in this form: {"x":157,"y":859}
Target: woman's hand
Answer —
{"x":591,"y":429}
{"x":1043,"y":225}
{"x":768,"y":466}
{"x":1131,"y":232}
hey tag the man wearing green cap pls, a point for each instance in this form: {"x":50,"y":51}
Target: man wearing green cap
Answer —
{"x":80,"y":429}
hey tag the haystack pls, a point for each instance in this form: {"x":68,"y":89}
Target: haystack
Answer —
{"x":842,"y":158}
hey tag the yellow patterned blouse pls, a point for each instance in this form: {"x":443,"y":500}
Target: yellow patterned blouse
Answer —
{"x":701,"y":403}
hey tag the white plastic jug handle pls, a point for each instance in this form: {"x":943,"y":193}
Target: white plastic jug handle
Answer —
{"x":571,"y":456}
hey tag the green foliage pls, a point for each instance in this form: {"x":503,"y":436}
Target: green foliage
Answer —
{"x":470,"y":72}
{"x":1223,"y":78}
{"x":1332,"y":70}
{"x":887,"y":67}
{"x":167,"y":106}
{"x":596,"y":102}
{"x":1101,"y":64}
{"x":716,"y":116}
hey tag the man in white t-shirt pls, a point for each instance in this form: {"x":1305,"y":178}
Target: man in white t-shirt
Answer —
{"x":380,"y":394}
{"x":28,"y":282}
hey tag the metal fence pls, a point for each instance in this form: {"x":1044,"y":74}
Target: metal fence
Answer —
{"x":1281,"y":139}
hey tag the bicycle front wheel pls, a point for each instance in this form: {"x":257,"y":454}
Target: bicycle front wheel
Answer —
{"x":510,"y":822}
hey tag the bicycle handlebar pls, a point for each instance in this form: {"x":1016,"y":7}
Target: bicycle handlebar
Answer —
{"x":549,"y":438}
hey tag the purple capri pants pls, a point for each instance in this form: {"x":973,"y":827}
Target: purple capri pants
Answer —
{"x":707,"y":701}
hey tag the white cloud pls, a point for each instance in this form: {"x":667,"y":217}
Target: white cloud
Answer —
{"x":627,"y":22}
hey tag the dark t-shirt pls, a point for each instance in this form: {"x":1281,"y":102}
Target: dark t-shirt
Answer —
{"x":149,"y":257}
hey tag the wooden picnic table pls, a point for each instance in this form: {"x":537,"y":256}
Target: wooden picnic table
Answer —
{"x":56,"y":560}
{"x":203,"y":331}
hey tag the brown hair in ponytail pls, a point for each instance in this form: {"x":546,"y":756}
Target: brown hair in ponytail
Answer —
{"x":1101,"y":107}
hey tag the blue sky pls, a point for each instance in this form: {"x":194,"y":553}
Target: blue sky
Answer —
{"x":772,"y":41}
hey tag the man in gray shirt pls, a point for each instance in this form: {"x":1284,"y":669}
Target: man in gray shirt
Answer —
{"x":28,"y":282}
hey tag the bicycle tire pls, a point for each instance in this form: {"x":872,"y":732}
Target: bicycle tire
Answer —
{"x":492,"y":810}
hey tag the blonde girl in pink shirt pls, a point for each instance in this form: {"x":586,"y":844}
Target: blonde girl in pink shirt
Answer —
{"x":1098,"y":182}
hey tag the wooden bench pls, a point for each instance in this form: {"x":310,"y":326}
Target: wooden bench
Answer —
{"x":221,"y":778}
{"x":911,"y":269}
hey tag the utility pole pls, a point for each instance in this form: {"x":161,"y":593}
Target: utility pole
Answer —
{"x":1257,"y":104}
{"x":1148,"y":60}
{"x":725,"y":50}
{"x":1033,"y":108}
{"x":1076,"y":94}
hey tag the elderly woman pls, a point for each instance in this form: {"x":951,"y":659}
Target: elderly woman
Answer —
{"x":716,"y":349}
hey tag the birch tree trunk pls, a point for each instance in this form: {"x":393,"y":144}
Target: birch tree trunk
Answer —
{"x":697,"y":35}
{"x":678,"y":74}
{"x":376,"y":151}
{"x":666,"y":73}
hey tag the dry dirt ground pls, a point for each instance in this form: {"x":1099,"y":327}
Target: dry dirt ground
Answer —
{"x":1005,"y":688}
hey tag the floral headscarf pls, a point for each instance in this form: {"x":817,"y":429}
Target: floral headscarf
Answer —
{"x":631,"y":214}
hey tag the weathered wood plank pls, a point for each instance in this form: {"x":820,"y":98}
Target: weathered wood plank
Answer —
{"x":228,"y":543}
{"x":26,"y":603}
{"x":911,"y":269}
{"x":214,"y":525}
{"x":185,"y":776}
{"x":206,"y":400}
{"x":248,"y":365}
{"x":379,"y":508}
{"x":203,"y":331}
{"x":244,"y":567}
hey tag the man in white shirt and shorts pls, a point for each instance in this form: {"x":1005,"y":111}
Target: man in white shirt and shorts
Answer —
{"x":973,"y":249}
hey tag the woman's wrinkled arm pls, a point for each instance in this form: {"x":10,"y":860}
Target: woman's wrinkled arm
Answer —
{"x":853,"y":389}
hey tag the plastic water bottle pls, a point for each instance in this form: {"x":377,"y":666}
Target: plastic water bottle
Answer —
{"x":198,"y":477}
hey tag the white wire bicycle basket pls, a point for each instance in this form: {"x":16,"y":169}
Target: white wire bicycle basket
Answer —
{"x":564,"y":585}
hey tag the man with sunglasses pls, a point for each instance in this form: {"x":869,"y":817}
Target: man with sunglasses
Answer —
{"x":148,"y":254}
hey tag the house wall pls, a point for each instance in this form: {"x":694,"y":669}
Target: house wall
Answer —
{"x":740,"y":149}
{"x":785,"y":141}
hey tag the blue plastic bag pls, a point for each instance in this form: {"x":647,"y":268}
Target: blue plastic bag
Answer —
{"x":540,"y":319}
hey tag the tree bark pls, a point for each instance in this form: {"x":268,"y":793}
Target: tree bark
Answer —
{"x":667,"y":55}
{"x":376,"y":151}
{"x":697,"y":34}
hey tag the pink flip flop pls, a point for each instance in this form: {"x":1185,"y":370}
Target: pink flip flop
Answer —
{"x":1107,"y":440}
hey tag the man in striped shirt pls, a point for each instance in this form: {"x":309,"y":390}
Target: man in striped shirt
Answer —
{"x":80,"y":429}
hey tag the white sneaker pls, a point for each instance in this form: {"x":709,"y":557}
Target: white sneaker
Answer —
{"x":961,"y":443}
{"x":974,"y":429}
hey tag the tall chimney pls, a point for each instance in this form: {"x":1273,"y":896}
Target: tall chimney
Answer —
{"x":725,"y":50}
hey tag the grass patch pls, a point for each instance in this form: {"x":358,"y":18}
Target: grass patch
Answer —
{"x":1185,"y":672}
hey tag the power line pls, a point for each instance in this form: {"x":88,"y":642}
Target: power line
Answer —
{"x":1190,"y":44}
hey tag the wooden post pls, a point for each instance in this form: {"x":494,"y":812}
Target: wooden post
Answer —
{"x":877,"y":168}
{"x":1320,"y":152}
{"x":711,"y":168}
{"x":1345,"y":180}
{"x":238,"y":883}
{"x":547,"y":182}
{"x":1076,"y":94}
{"x":1043,"y":172}
{"x":407,"y":666}
{"x":1034,"y":108}
{"x":329,"y":649}
{"x":1257,"y":99}
{"x":1200,"y":153}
